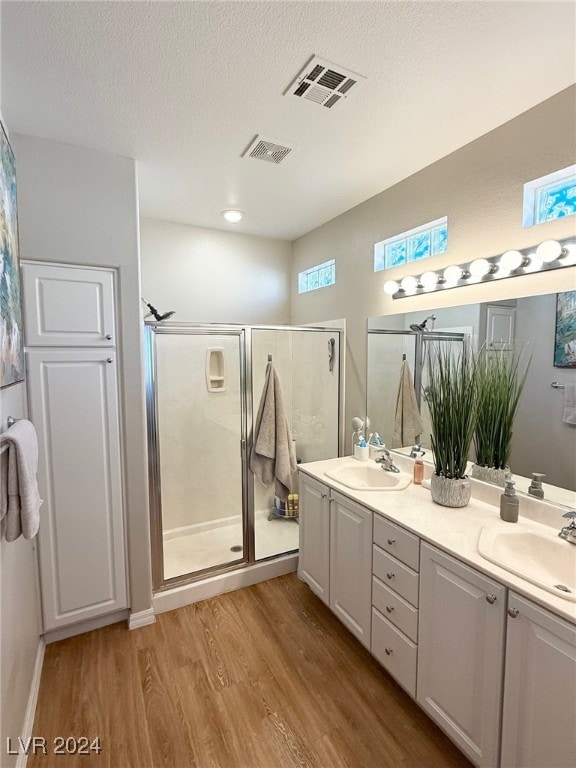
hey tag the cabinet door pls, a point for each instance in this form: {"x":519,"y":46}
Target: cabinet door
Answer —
{"x":460,"y":653}
{"x":500,"y":322}
{"x":351,"y":565}
{"x":73,"y":404}
{"x":68,"y":306}
{"x":539,"y":716}
{"x":314,"y":558}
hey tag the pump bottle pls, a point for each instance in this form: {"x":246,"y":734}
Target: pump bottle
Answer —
{"x":509,"y":503}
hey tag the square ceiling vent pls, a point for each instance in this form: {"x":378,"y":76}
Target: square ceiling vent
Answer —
{"x":324,"y":83}
{"x":270,"y":150}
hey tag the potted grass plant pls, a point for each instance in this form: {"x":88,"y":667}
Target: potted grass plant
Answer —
{"x":500,"y":378}
{"x":451,"y":399}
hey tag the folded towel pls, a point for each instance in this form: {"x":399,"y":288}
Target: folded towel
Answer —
{"x":273,"y":458}
{"x":569,"y":416}
{"x":20,"y":500}
{"x":407,"y":423}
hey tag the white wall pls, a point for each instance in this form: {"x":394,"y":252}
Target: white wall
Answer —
{"x":211,"y":276}
{"x":479,"y":188}
{"x":77,"y":206}
{"x":19,"y":630}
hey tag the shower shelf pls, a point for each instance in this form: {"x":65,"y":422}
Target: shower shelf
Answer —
{"x":281,"y":513}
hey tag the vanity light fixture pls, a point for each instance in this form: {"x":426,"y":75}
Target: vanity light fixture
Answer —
{"x":551,"y":254}
{"x":233,"y":216}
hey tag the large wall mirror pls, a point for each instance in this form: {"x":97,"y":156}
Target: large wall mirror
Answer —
{"x":542,"y":441}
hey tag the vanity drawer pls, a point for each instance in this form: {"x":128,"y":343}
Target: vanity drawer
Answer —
{"x":395,"y":575}
{"x":398,"y":542}
{"x":395,"y":609}
{"x":394,"y":651}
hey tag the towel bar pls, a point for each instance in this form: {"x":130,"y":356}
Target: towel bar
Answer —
{"x":10,"y":421}
{"x":556,"y":385}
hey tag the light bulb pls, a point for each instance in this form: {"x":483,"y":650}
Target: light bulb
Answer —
{"x":429,"y":279}
{"x":391,"y":287}
{"x":233,"y":216}
{"x":409,"y":284}
{"x":481,"y":267}
{"x":512,"y":260}
{"x":452,"y":274}
{"x":549,"y":250}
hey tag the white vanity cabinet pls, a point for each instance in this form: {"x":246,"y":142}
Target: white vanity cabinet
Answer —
{"x":73,"y":397}
{"x":460,"y":653}
{"x":314,"y":545}
{"x":539,"y":714}
{"x":395,"y":566}
{"x":335,"y":553}
{"x":351,"y":565}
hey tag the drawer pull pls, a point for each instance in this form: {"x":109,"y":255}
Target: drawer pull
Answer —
{"x":491,"y":599}
{"x":389,"y":608}
{"x":391,"y":541}
{"x":513,"y":612}
{"x":109,"y":336}
{"x":324,"y":495}
{"x":389,"y":575}
{"x":388,"y":651}
{"x":109,"y":360}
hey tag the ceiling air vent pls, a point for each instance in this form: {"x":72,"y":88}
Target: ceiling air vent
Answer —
{"x":324,"y":83}
{"x":267,"y":149}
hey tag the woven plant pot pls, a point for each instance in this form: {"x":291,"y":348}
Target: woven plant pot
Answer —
{"x":450,"y":492}
{"x":491,"y":475}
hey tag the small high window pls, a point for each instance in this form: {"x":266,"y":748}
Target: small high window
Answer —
{"x":550,"y":197}
{"x":317,"y":277}
{"x":415,"y":244}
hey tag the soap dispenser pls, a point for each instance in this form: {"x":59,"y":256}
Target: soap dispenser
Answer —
{"x":509,"y":503}
{"x":535,"y":487}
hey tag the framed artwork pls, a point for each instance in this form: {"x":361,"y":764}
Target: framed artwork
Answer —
{"x":12,"y":351}
{"x":565,"y":343}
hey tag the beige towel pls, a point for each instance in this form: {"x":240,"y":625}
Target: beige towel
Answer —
{"x":272,"y":458}
{"x":20,"y":500}
{"x":569,"y":416}
{"x":407,"y":423}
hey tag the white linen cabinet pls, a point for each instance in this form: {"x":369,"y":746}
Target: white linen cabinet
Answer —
{"x":71,"y":361}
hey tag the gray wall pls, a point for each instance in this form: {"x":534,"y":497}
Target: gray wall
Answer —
{"x":211,"y":276}
{"x":78,"y":206}
{"x":479,"y":187}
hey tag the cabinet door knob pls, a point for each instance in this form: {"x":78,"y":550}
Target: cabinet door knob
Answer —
{"x":323,"y":495}
{"x":109,"y":360}
{"x":389,"y":575}
{"x":391,"y":541}
{"x":109,"y":336}
{"x":388,"y":651}
{"x":491,"y":599}
{"x":389,"y":608}
{"x":513,"y":612}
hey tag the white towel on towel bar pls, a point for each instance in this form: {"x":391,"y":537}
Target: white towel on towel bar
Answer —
{"x":407,"y":422}
{"x":273,"y":457}
{"x":569,"y":416}
{"x":20,"y":501}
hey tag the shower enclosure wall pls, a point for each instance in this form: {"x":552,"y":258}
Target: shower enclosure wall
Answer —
{"x":204,"y":383}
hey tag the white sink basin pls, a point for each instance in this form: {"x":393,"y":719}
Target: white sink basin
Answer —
{"x":369,"y":477}
{"x":542,"y":559}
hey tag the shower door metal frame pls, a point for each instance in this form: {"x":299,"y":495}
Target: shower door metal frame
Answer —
{"x":159,"y":583}
{"x":244,"y":332}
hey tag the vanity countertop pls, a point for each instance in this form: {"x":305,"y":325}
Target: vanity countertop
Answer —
{"x":456,"y":531}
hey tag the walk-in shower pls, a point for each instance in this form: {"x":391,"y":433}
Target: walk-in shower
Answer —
{"x":387,"y":349}
{"x":204,"y":382}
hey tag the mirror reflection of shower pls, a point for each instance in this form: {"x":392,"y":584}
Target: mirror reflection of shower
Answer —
{"x":421,"y":327}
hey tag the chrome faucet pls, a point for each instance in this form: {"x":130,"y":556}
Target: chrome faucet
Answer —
{"x":568,"y":532}
{"x":386,"y":461}
{"x":416,"y":451}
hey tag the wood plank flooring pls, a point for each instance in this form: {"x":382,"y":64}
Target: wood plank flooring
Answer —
{"x":265,"y":677}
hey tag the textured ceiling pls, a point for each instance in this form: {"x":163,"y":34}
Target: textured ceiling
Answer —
{"x":183,"y":87}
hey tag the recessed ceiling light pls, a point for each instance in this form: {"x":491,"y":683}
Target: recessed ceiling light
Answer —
{"x":233,"y":216}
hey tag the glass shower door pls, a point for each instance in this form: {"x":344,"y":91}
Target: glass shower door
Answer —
{"x":199,"y":421}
